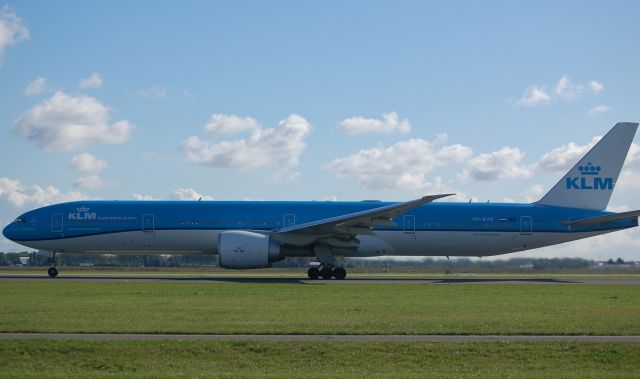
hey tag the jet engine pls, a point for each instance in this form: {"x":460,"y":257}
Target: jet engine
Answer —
{"x":241,"y":249}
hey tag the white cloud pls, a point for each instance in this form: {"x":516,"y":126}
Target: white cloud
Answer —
{"x":330,"y":198}
{"x":598,"y":110}
{"x":12,"y":29}
{"x":93,"y":81}
{"x":88,"y":163}
{"x":502,"y":164}
{"x":402,"y":165}
{"x":390,"y":123}
{"x":178,"y":194}
{"x":564,"y":157}
{"x":595,"y":86}
{"x":189,"y":194}
{"x":564,"y":89}
{"x":89,"y":182}
{"x":534,"y":96}
{"x":64,"y":122}
{"x":567,"y":90}
{"x":36,"y":87}
{"x":633,"y":157}
{"x":230,"y":124}
{"x":437,"y":186}
{"x":21,"y":195}
{"x":277,"y":148}
{"x":137,"y":196}
{"x":628,"y":181}
{"x":533,"y":193}
{"x":290,"y":177}
{"x":154,"y":92}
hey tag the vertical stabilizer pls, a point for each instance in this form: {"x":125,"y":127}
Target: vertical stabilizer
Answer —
{"x":590,"y":183}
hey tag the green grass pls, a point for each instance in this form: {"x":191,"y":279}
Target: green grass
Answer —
{"x":86,"y":359}
{"x":301,"y":273}
{"x":273,"y":308}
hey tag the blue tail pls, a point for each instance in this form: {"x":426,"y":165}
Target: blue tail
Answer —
{"x":590,"y":183}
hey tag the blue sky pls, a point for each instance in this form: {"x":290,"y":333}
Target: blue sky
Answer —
{"x":313,"y":100}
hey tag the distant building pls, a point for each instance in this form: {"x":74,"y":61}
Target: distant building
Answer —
{"x":617,"y":264}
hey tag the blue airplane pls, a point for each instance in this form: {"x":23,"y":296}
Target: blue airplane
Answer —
{"x":254,"y":234}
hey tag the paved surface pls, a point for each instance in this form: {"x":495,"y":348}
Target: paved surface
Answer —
{"x":323,"y":337}
{"x":424,"y":280}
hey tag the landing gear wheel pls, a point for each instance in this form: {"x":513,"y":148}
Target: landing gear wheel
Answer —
{"x":326,"y":273}
{"x":53,"y":272}
{"x":313,"y":273}
{"x":339,"y":273}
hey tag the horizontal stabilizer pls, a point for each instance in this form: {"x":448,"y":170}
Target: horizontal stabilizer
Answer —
{"x":603,"y":219}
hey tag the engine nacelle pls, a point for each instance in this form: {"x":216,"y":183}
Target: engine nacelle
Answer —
{"x":241,"y":249}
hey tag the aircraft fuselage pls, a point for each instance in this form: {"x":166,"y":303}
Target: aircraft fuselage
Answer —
{"x":192,"y":227}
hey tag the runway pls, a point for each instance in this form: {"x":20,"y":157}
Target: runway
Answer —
{"x":324,"y":337}
{"x":348,"y":281}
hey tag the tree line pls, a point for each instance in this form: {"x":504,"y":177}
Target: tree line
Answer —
{"x":457,"y":264}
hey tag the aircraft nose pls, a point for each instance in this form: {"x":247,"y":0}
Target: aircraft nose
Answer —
{"x":7,"y":232}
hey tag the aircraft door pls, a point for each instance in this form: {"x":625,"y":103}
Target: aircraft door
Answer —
{"x":288,"y":220}
{"x":526,"y":225}
{"x":148,"y":223}
{"x":56,"y":223}
{"x":409,"y":224}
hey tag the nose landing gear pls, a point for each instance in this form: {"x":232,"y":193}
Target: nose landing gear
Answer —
{"x":53,"y":271}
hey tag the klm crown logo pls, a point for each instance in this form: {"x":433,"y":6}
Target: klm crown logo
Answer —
{"x":589,"y":179}
{"x":83,"y":209}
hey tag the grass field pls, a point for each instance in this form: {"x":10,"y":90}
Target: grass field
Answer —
{"x":216,"y":272}
{"x":283,"y":308}
{"x":275,"y":308}
{"x":40,"y":358}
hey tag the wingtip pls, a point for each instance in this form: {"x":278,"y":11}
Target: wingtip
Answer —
{"x":435,"y":197}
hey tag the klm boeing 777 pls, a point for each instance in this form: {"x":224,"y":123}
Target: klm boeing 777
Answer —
{"x":254,"y":234}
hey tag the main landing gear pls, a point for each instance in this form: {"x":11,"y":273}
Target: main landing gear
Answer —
{"x":53,"y":271}
{"x":326,"y":271}
{"x":326,"y":267}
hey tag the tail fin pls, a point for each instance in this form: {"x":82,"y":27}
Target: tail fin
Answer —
{"x":589,"y":184}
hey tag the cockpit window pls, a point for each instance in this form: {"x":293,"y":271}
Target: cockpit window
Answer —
{"x":21,"y":220}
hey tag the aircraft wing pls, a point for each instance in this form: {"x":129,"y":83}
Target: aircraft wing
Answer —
{"x":603,"y":219}
{"x":349,"y":225}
